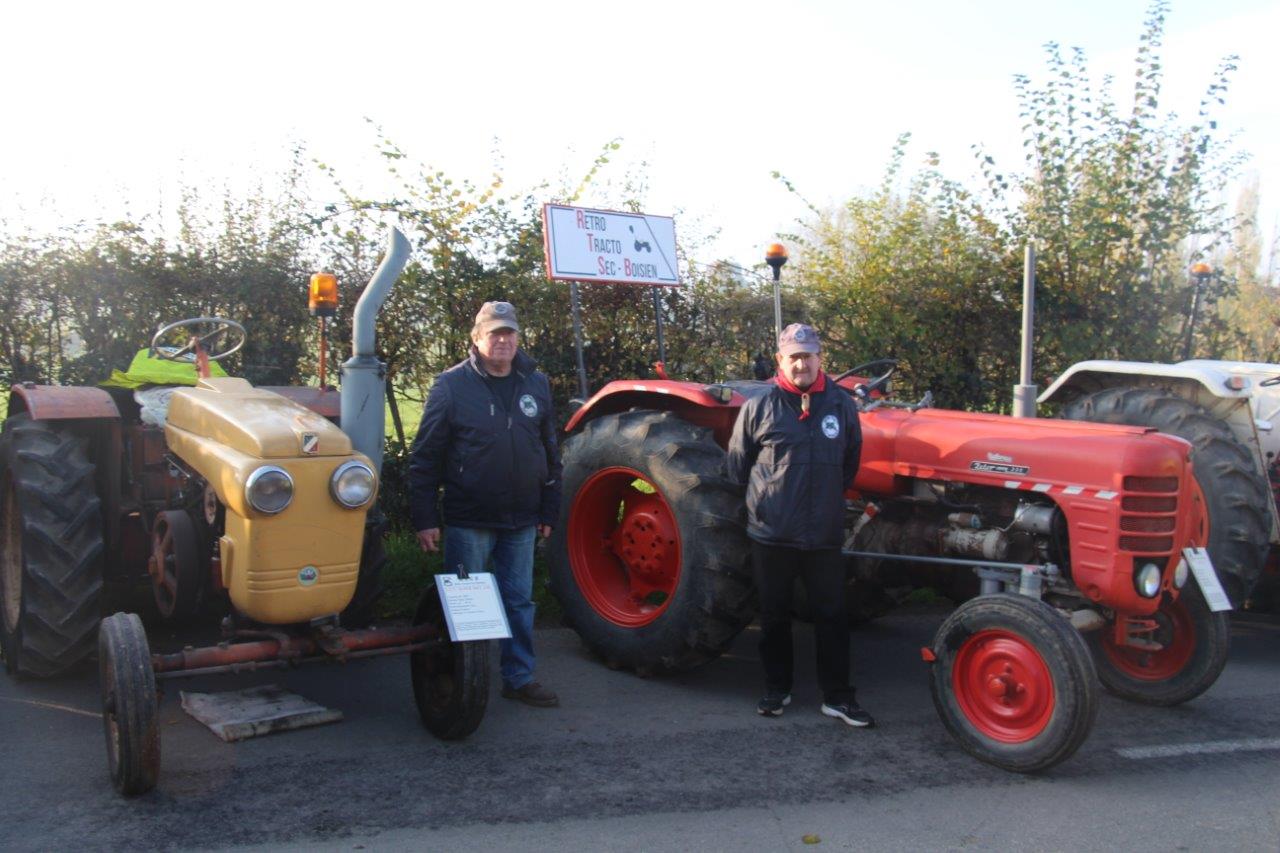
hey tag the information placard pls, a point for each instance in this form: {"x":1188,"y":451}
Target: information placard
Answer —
{"x":584,"y":244}
{"x":472,"y":607}
{"x":1202,"y":567}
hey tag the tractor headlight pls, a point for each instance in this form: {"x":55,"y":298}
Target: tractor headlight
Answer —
{"x":1181,"y":573}
{"x":269,"y":489}
{"x":352,"y":484}
{"x":1147,"y":580}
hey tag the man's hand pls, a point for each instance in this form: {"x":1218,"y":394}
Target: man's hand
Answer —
{"x":429,"y":539}
{"x":544,"y":530}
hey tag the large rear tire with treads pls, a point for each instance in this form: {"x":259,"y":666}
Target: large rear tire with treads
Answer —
{"x":649,"y":558}
{"x":51,"y":548}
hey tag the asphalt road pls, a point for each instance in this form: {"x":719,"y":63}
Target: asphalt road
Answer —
{"x":677,"y":763}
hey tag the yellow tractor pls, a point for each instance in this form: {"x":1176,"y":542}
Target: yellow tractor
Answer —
{"x":216,"y":489}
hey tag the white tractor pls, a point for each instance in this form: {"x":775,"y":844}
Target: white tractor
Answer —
{"x":1229,"y":411}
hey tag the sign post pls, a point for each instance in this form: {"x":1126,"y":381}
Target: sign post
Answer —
{"x":585,"y":245}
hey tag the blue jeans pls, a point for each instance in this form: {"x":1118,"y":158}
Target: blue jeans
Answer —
{"x":508,"y":554}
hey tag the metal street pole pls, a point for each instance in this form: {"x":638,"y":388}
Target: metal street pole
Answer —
{"x":577,"y":339}
{"x":775,"y":256}
{"x":1024,"y":393}
{"x":657,"y":315}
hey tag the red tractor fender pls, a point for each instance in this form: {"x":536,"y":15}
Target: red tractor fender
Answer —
{"x":60,"y":402}
{"x":690,"y":400}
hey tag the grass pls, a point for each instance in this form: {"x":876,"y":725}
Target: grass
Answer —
{"x":409,"y":569}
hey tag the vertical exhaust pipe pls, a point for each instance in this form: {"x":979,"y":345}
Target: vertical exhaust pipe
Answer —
{"x":363,"y":375}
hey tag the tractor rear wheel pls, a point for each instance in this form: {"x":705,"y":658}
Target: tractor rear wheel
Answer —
{"x":50,"y":548}
{"x":1013,"y":682}
{"x":130,"y":715}
{"x":450,"y":680}
{"x":1235,"y":494}
{"x":649,"y":559}
{"x":1195,"y":640}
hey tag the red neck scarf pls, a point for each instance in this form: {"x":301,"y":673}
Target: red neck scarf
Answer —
{"x":819,"y":385}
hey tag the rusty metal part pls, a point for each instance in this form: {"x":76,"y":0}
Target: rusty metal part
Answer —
{"x":1137,"y":632}
{"x":174,"y":565}
{"x":285,"y":650}
{"x":57,"y":402}
{"x":325,"y":402}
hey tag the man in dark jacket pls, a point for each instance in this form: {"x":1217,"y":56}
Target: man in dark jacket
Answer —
{"x":488,"y":439}
{"x":796,"y":449}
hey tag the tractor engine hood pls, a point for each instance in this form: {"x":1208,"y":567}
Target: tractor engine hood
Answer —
{"x":254,"y":422}
{"x":1024,"y":453}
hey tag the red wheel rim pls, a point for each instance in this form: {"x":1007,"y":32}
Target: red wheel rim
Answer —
{"x":624,"y":547}
{"x":1003,"y":686}
{"x":1175,"y":631}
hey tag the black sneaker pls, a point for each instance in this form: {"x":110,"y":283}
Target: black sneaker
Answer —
{"x":849,"y":711}
{"x":772,"y":704}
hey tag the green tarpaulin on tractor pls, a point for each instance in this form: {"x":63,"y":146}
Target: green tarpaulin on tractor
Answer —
{"x":145,"y":370}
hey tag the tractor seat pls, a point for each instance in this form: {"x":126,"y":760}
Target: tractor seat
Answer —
{"x":153,"y":403}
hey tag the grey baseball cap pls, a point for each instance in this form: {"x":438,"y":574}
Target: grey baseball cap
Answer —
{"x":798,"y":337}
{"x":497,"y":315}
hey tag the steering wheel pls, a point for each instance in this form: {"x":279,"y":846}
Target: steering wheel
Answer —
{"x":880,"y":381}
{"x":221,"y":326}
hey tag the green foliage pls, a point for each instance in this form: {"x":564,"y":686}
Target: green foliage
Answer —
{"x":1118,"y":204}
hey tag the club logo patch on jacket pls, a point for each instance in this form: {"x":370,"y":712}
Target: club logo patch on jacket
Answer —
{"x":529,"y":406}
{"x":831,"y":426}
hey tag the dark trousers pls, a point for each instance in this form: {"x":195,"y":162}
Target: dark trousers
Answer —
{"x":822,"y":572}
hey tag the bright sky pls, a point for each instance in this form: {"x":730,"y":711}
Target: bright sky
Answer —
{"x":110,"y":106}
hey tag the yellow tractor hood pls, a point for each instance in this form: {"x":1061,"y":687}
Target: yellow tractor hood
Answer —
{"x":257,"y":423}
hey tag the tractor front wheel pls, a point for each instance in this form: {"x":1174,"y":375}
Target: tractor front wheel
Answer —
{"x":649,"y":560}
{"x":129,"y":704}
{"x":450,"y":680}
{"x":1194,"y":641}
{"x":1013,"y":682}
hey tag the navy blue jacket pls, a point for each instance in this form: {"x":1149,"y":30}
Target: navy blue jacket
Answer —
{"x":498,"y":468}
{"x":796,"y":471}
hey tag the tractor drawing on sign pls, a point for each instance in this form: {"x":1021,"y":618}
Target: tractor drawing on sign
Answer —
{"x":1076,"y":538}
{"x":215,"y":492}
{"x":1230,"y":412}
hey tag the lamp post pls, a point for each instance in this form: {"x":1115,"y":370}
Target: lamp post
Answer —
{"x":1200,"y":272}
{"x":775,"y":256}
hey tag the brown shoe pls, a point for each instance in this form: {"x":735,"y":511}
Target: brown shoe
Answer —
{"x":532,"y":693}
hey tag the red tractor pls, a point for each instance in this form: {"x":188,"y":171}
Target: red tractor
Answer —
{"x":1072,"y":536}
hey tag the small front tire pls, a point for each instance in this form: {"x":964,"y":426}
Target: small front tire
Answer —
{"x":1013,"y":682}
{"x":450,"y":680}
{"x":1195,"y":639}
{"x":129,"y":704}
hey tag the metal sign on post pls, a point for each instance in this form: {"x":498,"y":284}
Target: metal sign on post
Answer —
{"x":586,"y":245}
{"x":609,"y":246}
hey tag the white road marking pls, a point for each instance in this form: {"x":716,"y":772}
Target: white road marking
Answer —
{"x":1211,"y":747}
{"x":53,"y":706}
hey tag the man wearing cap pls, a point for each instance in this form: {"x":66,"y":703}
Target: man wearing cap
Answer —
{"x":795,"y":447}
{"x":488,"y":439}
